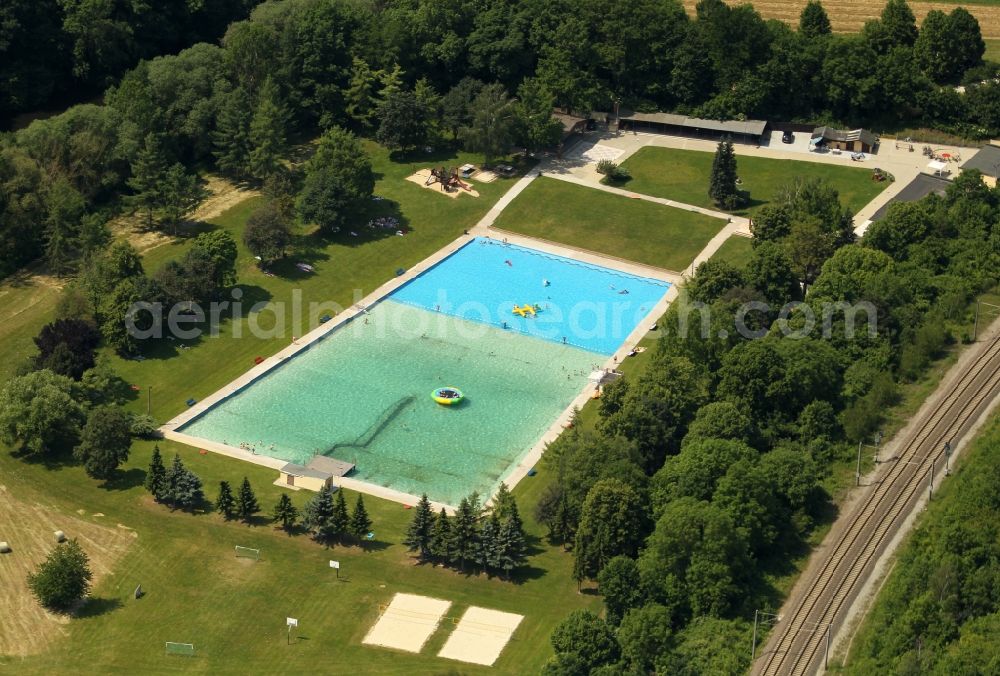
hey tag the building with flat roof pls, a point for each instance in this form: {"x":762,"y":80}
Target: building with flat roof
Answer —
{"x":749,"y":131}
{"x":987,"y":161}
{"x":855,"y":140}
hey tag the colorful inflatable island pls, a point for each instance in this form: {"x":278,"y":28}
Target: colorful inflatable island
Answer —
{"x":447,"y":396}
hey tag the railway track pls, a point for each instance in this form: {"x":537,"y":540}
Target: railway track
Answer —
{"x":801,"y":637}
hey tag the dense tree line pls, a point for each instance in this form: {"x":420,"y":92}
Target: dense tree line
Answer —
{"x":940,"y":610}
{"x":412,"y":71}
{"x":703,"y":475}
{"x":58,"y":51}
{"x":490,"y":539}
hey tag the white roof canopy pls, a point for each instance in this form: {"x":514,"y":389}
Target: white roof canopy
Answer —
{"x":937,"y":166}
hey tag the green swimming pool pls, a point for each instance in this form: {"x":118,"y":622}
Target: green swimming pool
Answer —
{"x":362,"y":393}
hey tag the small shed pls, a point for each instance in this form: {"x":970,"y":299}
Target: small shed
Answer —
{"x":298,"y":476}
{"x":855,"y":140}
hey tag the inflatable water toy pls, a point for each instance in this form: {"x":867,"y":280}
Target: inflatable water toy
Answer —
{"x":447,"y":396}
{"x":526,"y":309}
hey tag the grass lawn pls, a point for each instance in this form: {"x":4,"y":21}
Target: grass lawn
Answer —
{"x":26,"y":304}
{"x":347,"y":269}
{"x":234,"y":610}
{"x":682,"y":175}
{"x":231,"y":609}
{"x":591,"y":219}
{"x":735,"y":250}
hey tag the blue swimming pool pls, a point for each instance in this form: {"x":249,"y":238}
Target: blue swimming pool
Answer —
{"x":362,"y":393}
{"x":591,"y":307}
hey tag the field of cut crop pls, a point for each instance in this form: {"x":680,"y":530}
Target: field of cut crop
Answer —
{"x":848,"y":16}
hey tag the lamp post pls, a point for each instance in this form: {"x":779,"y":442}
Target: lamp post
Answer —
{"x":771,"y":619}
{"x":857,"y":471}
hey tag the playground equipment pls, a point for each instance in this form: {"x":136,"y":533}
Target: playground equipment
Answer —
{"x":448,"y":178}
{"x":526,"y":310}
{"x":447,"y":396}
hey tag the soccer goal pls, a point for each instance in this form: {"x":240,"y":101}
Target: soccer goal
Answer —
{"x":185,"y":649}
{"x":247,"y":553}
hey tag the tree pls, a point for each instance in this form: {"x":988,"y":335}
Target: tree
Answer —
{"x":694,"y":560}
{"x":418,"y":534}
{"x":587,"y":638}
{"x":712,"y":279}
{"x":361,"y":523}
{"x":183,"y":487}
{"x":645,"y":635}
{"x":491,"y":128}
{"x":403,"y":121}
{"x":64,"y":207}
{"x":948,"y":45}
{"x":620,"y":586}
{"x":39,"y":413}
{"x":105,"y":441}
{"x":361,"y":98}
{"x":267,"y":234}
{"x":285,"y":512}
{"x":441,"y":537}
{"x":456,"y":105}
{"x":225,"y":504}
{"x":79,"y":339}
{"x":535,"y":127}
{"x":267,"y":131}
{"x":813,"y":21}
{"x":769,"y":271}
{"x":317,"y":514}
{"x":232,"y":135}
{"x":149,"y":171}
{"x":487,"y":550}
{"x":720,"y":420}
{"x":465,"y":532}
{"x":156,"y":476}
{"x":246,"y":502}
{"x":340,"y":521}
{"x":219,"y":248}
{"x":338,"y":180}
{"x":722,"y":181}
{"x":63,"y":579}
{"x":696,"y":470}
{"x":179,"y":194}
{"x":808,"y":246}
{"x":511,"y":550}
{"x":610,"y":525}
{"x":896,"y":27}
{"x":705,"y":647}
{"x":657,"y":408}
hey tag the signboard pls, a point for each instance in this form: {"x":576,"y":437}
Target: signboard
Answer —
{"x":291,"y":622}
{"x":335,"y":564}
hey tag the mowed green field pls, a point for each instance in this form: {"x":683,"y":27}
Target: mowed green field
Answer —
{"x":633,"y":229}
{"x":735,"y":250}
{"x":683,"y":175}
{"x":233,"y":610}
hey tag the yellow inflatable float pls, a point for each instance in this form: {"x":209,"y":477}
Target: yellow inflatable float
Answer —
{"x":525,"y":310}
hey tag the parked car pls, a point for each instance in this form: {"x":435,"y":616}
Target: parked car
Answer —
{"x":788,"y":137}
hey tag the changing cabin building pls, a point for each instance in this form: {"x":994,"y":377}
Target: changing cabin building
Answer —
{"x":854,"y":141}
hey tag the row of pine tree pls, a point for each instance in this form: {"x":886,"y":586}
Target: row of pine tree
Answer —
{"x":492,"y":539}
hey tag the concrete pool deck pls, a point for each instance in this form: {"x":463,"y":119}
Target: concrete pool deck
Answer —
{"x":482,"y":229}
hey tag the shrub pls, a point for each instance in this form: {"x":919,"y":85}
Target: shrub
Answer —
{"x":63,"y":578}
{"x":613,"y":173}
